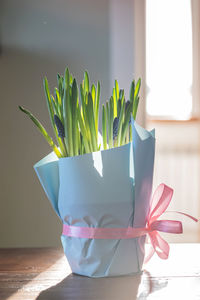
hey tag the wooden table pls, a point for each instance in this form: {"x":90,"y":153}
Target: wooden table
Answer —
{"x":44,"y":274}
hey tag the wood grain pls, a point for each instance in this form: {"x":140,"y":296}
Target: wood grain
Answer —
{"x":43,"y":273}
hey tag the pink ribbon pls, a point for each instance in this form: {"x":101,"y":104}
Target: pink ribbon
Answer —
{"x":160,"y":201}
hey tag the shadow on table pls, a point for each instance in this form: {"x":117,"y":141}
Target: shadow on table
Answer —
{"x":118,"y":288}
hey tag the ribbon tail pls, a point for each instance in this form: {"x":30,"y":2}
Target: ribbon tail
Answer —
{"x":184,"y":214}
{"x":161,"y":247}
{"x":149,"y":255}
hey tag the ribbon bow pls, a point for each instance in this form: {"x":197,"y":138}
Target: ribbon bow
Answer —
{"x":160,"y":201}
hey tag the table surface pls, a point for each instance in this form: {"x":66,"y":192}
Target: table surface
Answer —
{"x":43,"y":273}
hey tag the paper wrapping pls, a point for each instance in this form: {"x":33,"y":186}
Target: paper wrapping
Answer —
{"x":108,"y":188}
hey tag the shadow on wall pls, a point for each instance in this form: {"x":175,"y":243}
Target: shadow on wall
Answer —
{"x":40,"y":38}
{"x":37,"y":39}
{"x":26,"y":218}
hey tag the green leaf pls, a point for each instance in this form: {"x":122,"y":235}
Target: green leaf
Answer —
{"x":74,"y":117}
{"x":121,"y":117}
{"x":59,"y":103}
{"x":70,"y":79}
{"x":108,"y":119}
{"x":136,"y":98}
{"x":104,"y":130}
{"x":55,"y":107}
{"x":90,"y":116}
{"x":111,"y":122}
{"x":86,"y":83}
{"x":42,"y":130}
{"x":93,"y":93}
{"x":135,"y":107}
{"x":116,"y":90}
{"x":59,"y":82}
{"x":114,"y":102}
{"x":59,"y":140}
{"x":49,"y":103}
{"x":62,"y":87}
{"x":83,"y":130}
{"x":97,"y":108}
{"x":119,"y":105}
{"x":126,"y":122}
{"x":137,"y":88}
{"x":130,"y":133}
{"x":132,"y":91}
{"x":58,"y":78}
{"x":120,"y":94}
{"x":122,"y":97}
{"x":52,"y":108}
{"x":67,"y":114}
{"x":84,"y":98}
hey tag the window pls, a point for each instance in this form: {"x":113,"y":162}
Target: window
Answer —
{"x":169,"y":59}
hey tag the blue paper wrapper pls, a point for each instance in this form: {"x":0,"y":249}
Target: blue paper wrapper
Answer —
{"x":110,"y":188}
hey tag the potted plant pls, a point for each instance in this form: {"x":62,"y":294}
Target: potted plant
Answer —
{"x":99,"y":187}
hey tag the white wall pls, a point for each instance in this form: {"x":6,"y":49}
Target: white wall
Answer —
{"x":127,"y":47}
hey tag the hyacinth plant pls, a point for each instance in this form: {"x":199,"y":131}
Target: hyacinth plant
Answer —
{"x":74,"y":115}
